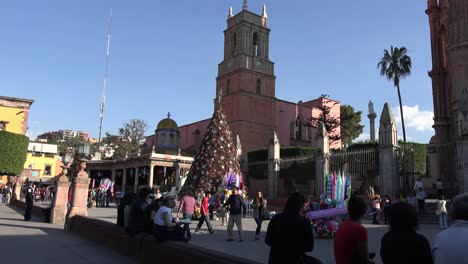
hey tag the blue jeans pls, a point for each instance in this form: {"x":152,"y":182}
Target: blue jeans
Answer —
{"x":443,"y":221}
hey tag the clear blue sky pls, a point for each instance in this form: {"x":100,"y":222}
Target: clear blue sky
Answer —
{"x":164,"y":57}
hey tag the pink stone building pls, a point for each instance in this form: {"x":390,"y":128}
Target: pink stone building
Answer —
{"x":246,"y":84}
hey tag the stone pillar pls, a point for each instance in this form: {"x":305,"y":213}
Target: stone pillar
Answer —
{"x":372,"y":115}
{"x":58,"y":211}
{"x":462,"y":166}
{"x":273,"y":166}
{"x":124,"y":180}
{"x":389,"y":176}
{"x":135,"y":188}
{"x":177,"y":176}
{"x":388,"y":180}
{"x":151,"y":177}
{"x":322,"y":164}
{"x":113,"y":175}
{"x":80,"y":187}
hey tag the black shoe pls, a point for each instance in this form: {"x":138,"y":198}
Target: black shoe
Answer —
{"x":229,"y":240}
{"x":212,"y":232}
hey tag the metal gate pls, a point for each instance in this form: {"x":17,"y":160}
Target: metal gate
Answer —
{"x":362,"y":165}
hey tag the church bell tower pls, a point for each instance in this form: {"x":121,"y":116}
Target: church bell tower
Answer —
{"x":246,"y":79}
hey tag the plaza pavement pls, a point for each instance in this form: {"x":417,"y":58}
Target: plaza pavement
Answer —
{"x":258,"y":250}
{"x":38,"y":242}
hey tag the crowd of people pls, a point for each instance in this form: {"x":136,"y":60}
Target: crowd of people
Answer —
{"x":152,"y":212}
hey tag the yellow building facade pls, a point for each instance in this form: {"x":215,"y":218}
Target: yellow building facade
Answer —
{"x":42,"y":162}
{"x":14,"y":113}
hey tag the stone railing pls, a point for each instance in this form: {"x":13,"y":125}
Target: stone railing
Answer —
{"x":143,"y":247}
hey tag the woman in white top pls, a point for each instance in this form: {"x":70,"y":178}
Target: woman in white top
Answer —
{"x":376,"y":207}
{"x":442,"y":212}
{"x":165,"y":228}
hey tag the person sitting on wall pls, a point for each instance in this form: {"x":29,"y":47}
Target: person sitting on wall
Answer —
{"x":165,"y":226}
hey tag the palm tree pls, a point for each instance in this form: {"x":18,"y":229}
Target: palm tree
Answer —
{"x":396,"y":65}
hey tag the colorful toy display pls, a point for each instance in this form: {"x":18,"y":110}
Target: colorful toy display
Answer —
{"x":232,"y":179}
{"x":326,"y":221}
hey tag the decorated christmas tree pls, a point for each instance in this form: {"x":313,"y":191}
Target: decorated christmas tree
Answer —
{"x":216,"y":163}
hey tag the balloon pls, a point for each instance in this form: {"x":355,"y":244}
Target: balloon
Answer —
{"x":322,"y":197}
{"x":327,"y":201}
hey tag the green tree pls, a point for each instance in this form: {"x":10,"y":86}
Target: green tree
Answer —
{"x":133,"y":133}
{"x":216,"y":156}
{"x":330,"y":121}
{"x":130,"y":137}
{"x":396,"y":65}
{"x":350,"y":122}
{"x":13,"y":153}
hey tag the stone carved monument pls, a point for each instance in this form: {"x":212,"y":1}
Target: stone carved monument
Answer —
{"x":274,"y":160}
{"x":80,"y":192}
{"x":59,"y":203}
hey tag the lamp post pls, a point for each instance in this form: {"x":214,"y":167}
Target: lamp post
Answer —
{"x":84,"y":149}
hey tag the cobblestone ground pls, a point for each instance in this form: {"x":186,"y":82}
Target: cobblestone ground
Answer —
{"x":38,"y":242}
{"x":258,"y":250}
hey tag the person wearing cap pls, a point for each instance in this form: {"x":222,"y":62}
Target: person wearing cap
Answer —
{"x":29,"y":201}
{"x":165,"y":228}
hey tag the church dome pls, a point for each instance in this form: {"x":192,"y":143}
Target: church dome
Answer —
{"x":167,"y":123}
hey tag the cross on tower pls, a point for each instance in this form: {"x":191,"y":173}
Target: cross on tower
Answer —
{"x":245,"y":6}
{"x":168,"y":115}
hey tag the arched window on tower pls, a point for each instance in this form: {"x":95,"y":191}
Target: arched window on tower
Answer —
{"x":228,"y":86}
{"x":258,"y":87}
{"x":256,"y":46}
{"x":234,"y":44}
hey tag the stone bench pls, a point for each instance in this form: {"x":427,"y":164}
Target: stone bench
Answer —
{"x":143,"y":247}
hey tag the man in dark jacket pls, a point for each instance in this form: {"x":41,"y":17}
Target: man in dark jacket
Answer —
{"x":237,"y":208}
{"x":29,"y":192}
{"x":138,"y":220}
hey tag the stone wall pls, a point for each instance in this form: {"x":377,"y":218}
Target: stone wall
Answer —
{"x":143,"y":248}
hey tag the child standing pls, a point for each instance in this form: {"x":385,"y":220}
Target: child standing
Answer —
{"x":442,"y":212}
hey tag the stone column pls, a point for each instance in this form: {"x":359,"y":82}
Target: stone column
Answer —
{"x":135,"y":188}
{"x":113,"y":175}
{"x":124,"y":180}
{"x":151,"y":176}
{"x":462,"y":166}
{"x":322,"y":164}
{"x":389,"y":175}
{"x":273,"y":167}
{"x":58,"y":211}
{"x":177,"y":176}
{"x":80,"y":187}
{"x":372,"y":115}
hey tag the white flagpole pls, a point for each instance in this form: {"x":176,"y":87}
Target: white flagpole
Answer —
{"x":103,"y":99}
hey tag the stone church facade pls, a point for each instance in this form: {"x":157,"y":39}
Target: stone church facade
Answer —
{"x":448,"y":20}
{"x":246,"y":85}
